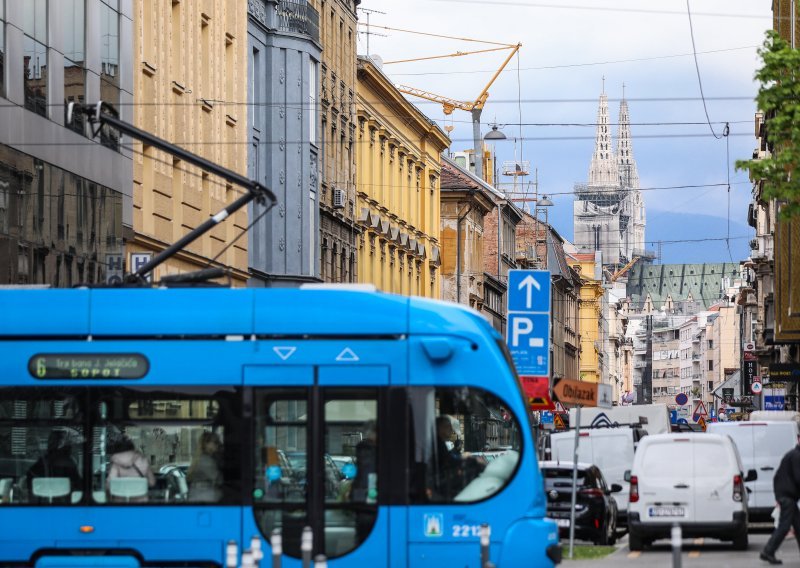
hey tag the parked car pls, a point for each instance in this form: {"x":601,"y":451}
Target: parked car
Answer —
{"x":761,"y":446}
{"x":694,"y":480}
{"x":610,"y":449}
{"x":595,"y":507}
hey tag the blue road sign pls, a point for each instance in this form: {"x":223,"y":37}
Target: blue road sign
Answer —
{"x":528,"y":329}
{"x":529,"y":291}
{"x":546,"y":417}
{"x":776,"y":402}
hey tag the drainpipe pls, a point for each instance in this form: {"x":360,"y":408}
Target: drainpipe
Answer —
{"x":461,"y":217}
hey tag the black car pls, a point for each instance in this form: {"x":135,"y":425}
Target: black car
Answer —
{"x":595,"y":508}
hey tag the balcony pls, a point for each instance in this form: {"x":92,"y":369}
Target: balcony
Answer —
{"x":298,"y":18}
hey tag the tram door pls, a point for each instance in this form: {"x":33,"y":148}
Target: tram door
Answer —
{"x":317,"y":441}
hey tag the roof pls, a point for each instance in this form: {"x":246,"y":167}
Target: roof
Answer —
{"x":148,"y":312}
{"x":458,"y":177}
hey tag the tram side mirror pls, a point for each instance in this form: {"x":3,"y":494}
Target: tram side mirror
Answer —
{"x":752,"y":475}
{"x":627,"y":476}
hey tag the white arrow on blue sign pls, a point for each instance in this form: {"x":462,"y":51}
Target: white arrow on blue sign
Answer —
{"x":528,"y":330}
{"x":529,"y":291}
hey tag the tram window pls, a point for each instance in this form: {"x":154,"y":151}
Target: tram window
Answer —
{"x":280,"y":486}
{"x":41,"y":445}
{"x":351,"y":493}
{"x":465,"y":445}
{"x":166,"y":447}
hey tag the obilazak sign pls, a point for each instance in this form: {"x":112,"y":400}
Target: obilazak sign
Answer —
{"x":570,"y":391}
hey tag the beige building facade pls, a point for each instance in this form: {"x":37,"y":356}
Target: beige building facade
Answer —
{"x":339,"y":232}
{"x":397,"y":203}
{"x":190,"y":65}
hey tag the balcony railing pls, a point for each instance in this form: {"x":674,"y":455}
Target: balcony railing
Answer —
{"x":298,"y":18}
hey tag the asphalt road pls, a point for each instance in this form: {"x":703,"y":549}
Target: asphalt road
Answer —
{"x":696,"y":553}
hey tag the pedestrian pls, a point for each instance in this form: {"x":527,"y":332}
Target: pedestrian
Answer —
{"x":787,"y":491}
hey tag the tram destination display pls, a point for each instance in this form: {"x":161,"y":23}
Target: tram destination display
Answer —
{"x":88,"y":366}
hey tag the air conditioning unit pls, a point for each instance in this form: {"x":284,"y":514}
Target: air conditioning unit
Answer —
{"x":754,"y":244}
{"x":339,"y":198}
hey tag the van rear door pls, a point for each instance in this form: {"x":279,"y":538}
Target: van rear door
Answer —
{"x":771,"y":440}
{"x":715,"y":464}
{"x":665,"y":481}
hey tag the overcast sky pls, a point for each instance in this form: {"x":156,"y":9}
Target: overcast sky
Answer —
{"x":568,"y":46}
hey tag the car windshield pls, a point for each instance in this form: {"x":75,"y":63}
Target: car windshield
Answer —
{"x":555,"y":478}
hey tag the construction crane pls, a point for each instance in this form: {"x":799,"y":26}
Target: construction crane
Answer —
{"x":623,"y":270}
{"x":474,"y":107}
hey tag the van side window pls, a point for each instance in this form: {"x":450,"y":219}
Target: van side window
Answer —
{"x":465,"y":444}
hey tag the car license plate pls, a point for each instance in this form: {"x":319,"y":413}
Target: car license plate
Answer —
{"x":667,"y":512}
{"x":563,"y":523}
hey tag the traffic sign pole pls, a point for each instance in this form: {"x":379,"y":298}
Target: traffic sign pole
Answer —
{"x":574,"y":481}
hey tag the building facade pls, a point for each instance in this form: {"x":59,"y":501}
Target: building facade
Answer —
{"x":609,"y":213}
{"x":500,"y":256}
{"x":283,"y":54}
{"x":398,"y":199}
{"x":593,"y":325}
{"x":465,"y":202}
{"x":339,"y":232}
{"x":769,"y":303}
{"x":189,"y":78}
{"x":65,"y":197}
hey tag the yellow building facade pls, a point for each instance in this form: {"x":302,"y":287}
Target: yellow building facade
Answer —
{"x":398,"y":190}
{"x":190,"y":86}
{"x":591,"y":319}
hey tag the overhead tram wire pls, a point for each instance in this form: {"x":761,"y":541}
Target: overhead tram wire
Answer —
{"x":587,"y":64}
{"x":600,"y":8}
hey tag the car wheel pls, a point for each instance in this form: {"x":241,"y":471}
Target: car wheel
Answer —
{"x":612,"y":535}
{"x":740,"y":541}
{"x":634,"y":541}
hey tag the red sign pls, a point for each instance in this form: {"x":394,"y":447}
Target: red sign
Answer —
{"x":537,"y":391}
{"x":750,"y":356}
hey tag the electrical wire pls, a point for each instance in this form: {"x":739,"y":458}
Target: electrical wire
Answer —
{"x":599,"y":8}
{"x":570,"y":65}
{"x":697,"y":68}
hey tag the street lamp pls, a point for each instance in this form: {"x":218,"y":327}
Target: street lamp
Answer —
{"x":494,"y":134}
{"x":544,"y":202}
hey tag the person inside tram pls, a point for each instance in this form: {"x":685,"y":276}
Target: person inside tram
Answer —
{"x":127,"y":461}
{"x":454,"y":468}
{"x":57,"y":461}
{"x":204,"y":476}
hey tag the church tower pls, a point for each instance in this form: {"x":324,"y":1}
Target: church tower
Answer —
{"x":608,"y":212}
{"x":633,"y":223}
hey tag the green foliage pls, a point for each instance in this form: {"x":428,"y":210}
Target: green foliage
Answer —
{"x":779,"y":98}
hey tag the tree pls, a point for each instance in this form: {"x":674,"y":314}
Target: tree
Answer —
{"x":779,"y":99}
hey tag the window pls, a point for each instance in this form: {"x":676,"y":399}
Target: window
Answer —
{"x":711,"y":344}
{"x":345,"y":474}
{"x":710,"y":365}
{"x":109,"y":65}
{"x":465,"y":445}
{"x":74,"y":59}
{"x":35,"y":55}
{"x":312,"y":101}
{"x":80,"y":446}
{"x":41,"y":445}
{"x":171,"y":446}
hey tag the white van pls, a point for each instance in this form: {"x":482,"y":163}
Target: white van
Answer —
{"x":652,"y":417}
{"x":695,"y":480}
{"x":610,"y":449}
{"x":761,"y":446}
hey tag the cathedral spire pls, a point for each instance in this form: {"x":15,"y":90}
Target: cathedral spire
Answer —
{"x":603,"y":169}
{"x":629,"y":176}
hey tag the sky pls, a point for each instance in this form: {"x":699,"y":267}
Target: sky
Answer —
{"x":568,"y":48}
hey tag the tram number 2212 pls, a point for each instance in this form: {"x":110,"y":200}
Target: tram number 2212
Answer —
{"x":466,"y":531}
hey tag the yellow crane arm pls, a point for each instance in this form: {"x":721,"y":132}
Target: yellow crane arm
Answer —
{"x":624,"y":269}
{"x":449,"y":104}
{"x":481,"y":100}
{"x":456,"y":54}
